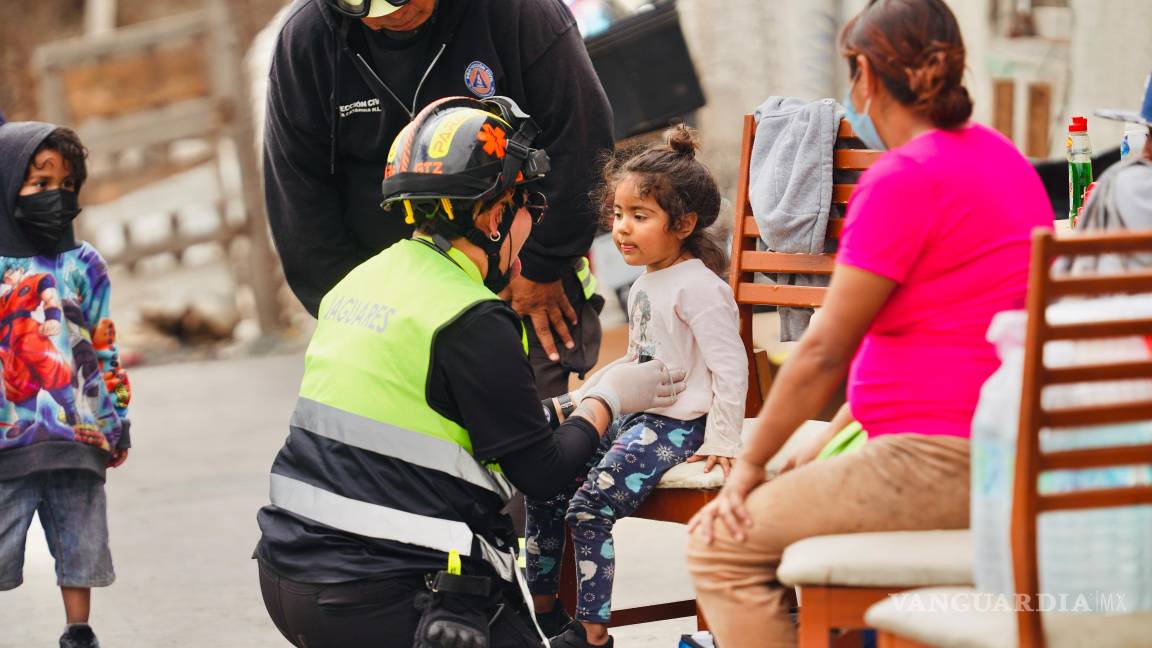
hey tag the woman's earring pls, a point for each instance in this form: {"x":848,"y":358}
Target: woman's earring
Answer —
{"x":494,"y":236}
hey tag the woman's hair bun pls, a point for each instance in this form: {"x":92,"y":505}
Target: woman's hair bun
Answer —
{"x":915,"y":48}
{"x":682,"y":140}
{"x":940,"y":93}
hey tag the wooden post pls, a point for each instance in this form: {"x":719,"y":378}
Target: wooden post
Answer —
{"x":1039,"y":119}
{"x":261,"y":277}
{"x":99,"y":17}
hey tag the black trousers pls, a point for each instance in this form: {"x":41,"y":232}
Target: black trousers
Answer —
{"x":370,"y":614}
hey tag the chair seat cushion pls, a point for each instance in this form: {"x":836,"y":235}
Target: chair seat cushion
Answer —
{"x":963,"y":618}
{"x":692,"y":475}
{"x":889,"y":559}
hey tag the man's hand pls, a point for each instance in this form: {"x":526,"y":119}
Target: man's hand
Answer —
{"x":548,"y":308}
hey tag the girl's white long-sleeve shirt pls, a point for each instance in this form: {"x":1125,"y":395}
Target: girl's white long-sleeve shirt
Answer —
{"x":685,"y":315}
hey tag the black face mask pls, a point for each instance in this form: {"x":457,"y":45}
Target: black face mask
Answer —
{"x":45,"y":219}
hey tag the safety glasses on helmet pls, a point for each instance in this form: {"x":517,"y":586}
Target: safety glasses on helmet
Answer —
{"x":367,"y":8}
{"x":535,"y":202}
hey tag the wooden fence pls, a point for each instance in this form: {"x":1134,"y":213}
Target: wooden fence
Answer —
{"x":138,"y":96}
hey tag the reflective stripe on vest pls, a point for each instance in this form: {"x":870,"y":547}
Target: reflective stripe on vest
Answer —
{"x":371,"y":520}
{"x":587,"y":279}
{"x":391,"y":441}
{"x":365,"y":379}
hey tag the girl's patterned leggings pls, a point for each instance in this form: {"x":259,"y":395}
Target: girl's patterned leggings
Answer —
{"x":634,"y":454}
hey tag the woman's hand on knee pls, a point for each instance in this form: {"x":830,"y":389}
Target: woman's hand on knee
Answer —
{"x":729,"y":506}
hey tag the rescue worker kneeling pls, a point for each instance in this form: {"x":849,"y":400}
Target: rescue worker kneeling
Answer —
{"x":418,"y":413}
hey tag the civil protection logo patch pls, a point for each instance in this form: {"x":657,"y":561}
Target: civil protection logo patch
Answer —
{"x":480,"y":80}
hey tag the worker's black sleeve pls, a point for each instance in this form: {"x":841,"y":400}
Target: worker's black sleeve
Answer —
{"x":565,"y":98}
{"x":305,"y":206}
{"x":544,"y":468}
{"x":480,"y":378}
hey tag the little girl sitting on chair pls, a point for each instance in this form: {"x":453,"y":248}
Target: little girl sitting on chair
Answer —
{"x":659,"y":203}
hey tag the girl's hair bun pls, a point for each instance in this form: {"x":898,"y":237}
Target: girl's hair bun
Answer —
{"x":682,"y":140}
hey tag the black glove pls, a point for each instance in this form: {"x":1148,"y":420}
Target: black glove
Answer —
{"x":453,"y":619}
{"x":447,"y":633}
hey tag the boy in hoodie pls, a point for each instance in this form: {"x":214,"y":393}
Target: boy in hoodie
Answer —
{"x":64,"y":405}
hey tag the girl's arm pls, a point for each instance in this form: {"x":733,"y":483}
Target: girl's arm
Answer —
{"x":716,"y":330}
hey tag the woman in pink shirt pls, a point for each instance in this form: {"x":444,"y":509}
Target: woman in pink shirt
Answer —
{"x":935,"y":243}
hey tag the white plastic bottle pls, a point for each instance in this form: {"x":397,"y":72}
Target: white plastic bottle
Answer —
{"x":1133,"y":141}
{"x":993,"y":457}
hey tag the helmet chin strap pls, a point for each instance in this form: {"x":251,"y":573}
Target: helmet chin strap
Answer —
{"x":494,"y":279}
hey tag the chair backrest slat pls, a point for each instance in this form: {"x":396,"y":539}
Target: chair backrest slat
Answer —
{"x":1100,"y":329}
{"x":1098,"y":372}
{"x":779,"y":262}
{"x":1027,"y":502}
{"x":849,"y":158}
{"x":1095,"y":457}
{"x":1072,"y":286}
{"x":788,"y":296}
{"x":1110,"y":414}
{"x":854,"y":160}
{"x":752,"y":230}
{"x":842,"y":192}
{"x":1097,"y":498}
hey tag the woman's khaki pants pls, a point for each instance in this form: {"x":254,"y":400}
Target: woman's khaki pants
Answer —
{"x":895,"y":482}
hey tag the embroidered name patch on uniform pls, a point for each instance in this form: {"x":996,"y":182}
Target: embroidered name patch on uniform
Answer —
{"x":480,"y":80}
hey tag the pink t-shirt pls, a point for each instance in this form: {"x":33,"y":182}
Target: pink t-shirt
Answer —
{"x":948,"y":217}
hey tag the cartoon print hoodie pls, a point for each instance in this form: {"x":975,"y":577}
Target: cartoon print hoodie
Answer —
{"x":65,"y":397}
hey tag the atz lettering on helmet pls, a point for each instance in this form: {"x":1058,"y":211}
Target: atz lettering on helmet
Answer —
{"x":428,"y":167}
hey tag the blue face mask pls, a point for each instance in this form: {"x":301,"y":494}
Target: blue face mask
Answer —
{"x":862,"y":123}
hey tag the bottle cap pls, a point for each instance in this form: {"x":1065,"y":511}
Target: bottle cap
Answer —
{"x":1079,"y":125}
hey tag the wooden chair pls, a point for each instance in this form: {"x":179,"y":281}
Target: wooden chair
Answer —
{"x":848,"y":160}
{"x":1025,"y":627}
{"x":680,"y":495}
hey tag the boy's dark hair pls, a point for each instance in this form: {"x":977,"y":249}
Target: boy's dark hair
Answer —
{"x":680,"y":184}
{"x":66,"y":142}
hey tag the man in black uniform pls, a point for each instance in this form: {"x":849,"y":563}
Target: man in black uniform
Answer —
{"x":347,"y":75}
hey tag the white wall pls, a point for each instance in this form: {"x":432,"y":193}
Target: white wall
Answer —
{"x":1111,"y":56}
{"x":748,"y":50}
{"x":1094,"y":55}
